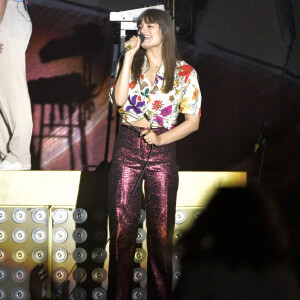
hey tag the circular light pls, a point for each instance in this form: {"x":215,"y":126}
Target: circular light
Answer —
{"x":79,"y":255}
{"x":79,"y":275}
{"x":60,"y":235}
{"x":140,"y":255}
{"x":141,"y":236}
{"x":3,"y":275}
{"x":139,"y":275}
{"x":19,"y":235}
{"x":99,"y":215}
{"x":19,"y":215}
{"x":3,"y":236}
{"x":3,"y":255}
{"x":99,"y":275}
{"x":176,"y":275}
{"x":60,"y":255}
{"x":99,"y":294}
{"x":39,"y":235}
{"x":177,"y":255}
{"x":99,"y":255}
{"x":3,"y":216}
{"x":142,"y":217}
{"x":3,"y":293}
{"x":19,"y":274}
{"x":19,"y":255}
{"x":138,"y":294}
{"x":79,"y":215}
{"x":19,"y":293}
{"x":79,"y":294}
{"x":99,"y":236}
{"x":79,"y":235}
{"x":197,"y":213}
{"x":60,"y":216}
{"x":178,"y":234}
{"x":180,"y":217}
{"x":60,"y":275}
{"x":39,"y":255}
{"x":39,"y":215}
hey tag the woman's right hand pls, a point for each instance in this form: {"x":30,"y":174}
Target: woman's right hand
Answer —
{"x":134,"y":42}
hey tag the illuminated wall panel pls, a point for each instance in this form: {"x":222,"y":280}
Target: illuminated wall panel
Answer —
{"x":64,"y":227}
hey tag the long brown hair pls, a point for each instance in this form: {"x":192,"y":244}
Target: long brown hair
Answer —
{"x":169,"y":47}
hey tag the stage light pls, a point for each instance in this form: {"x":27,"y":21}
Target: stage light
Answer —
{"x":79,"y":294}
{"x":19,"y":215}
{"x":39,"y":255}
{"x":3,"y":216}
{"x":79,"y":275}
{"x":60,"y":216}
{"x":99,"y":275}
{"x":60,"y":255}
{"x":39,"y":215}
{"x":139,"y":275}
{"x":39,"y":235}
{"x":19,"y":274}
{"x":99,"y":236}
{"x":3,"y":293}
{"x":19,"y":293}
{"x":3,"y":255}
{"x":19,"y":255}
{"x":99,"y":294}
{"x":19,"y":235}
{"x":140,"y":255}
{"x":3,"y":236}
{"x":99,"y":255}
{"x":79,"y":255}
{"x":142,"y":217}
{"x":79,"y":235}
{"x":180,"y":216}
{"x":79,"y":215}
{"x":60,"y":275}
{"x":60,"y":235}
{"x":176,"y":275}
{"x":3,"y":275}
{"x":141,"y":236}
{"x":138,"y":294}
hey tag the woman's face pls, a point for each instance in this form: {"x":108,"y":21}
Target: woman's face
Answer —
{"x":152,"y":33}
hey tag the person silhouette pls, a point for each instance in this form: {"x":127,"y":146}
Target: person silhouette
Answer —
{"x":237,"y":249}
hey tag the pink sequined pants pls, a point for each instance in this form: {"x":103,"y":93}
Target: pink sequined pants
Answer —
{"x":161,"y":182}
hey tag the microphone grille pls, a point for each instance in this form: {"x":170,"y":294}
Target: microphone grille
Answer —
{"x":142,"y":37}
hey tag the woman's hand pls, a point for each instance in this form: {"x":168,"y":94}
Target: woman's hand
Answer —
{"x":1,"y":47}
{"x":151,"y":137}
{"x":134,"y":43}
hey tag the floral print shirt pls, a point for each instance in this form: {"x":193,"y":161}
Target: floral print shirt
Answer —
{"x":163,"y":109}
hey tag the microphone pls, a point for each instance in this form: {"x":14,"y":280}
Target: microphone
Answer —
{"x":260,"y":137}
{"x":129,"y":47}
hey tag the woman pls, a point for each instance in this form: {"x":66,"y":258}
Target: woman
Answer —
{"x":152,"y":88}
{"x":15,"y":107}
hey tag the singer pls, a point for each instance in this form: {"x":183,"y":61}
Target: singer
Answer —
{"x":15,"y":107}
{"x":153,"y":87}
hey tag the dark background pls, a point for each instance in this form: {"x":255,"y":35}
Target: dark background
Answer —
{"x":246,"y":53}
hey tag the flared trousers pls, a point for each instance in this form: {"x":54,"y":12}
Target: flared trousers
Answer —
{"x":15,"y":108}
{"x":161,"y":182}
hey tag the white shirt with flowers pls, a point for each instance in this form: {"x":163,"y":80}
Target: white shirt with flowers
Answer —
{"x":163,"y":109}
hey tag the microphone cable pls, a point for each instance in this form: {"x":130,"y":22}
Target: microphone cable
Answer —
{"x":112,"y":95}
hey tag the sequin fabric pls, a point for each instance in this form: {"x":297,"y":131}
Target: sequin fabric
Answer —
{"x":161,"y":183}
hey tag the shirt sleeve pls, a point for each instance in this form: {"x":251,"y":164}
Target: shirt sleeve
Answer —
{"x":191,"y":98}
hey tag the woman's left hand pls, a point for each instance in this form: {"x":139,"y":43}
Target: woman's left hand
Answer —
{"x":151,"y":137}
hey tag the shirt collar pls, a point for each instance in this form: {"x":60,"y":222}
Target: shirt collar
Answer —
{"x":160,"y":71}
